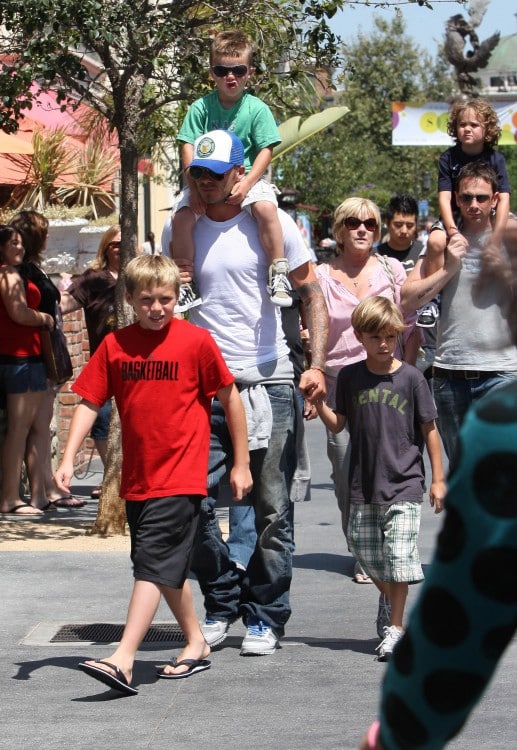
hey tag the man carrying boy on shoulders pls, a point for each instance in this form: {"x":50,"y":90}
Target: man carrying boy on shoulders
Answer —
{"x":231,"y":268}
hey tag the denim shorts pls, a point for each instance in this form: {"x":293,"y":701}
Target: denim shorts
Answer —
{"x":101,"y":426}
{"x":23,"y":377}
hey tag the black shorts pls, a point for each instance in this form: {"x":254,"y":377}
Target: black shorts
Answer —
{"x":162,"y":537}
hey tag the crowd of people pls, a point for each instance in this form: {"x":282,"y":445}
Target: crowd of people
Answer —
{"x":386,"y":381}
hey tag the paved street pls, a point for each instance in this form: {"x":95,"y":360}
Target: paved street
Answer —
{"x":318,"y":692}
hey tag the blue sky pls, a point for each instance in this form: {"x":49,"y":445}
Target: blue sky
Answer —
{"x":427,"y":27}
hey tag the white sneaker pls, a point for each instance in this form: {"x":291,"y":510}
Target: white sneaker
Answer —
{"x":189,"y":297}
{"x":392,"y":635}
{"x":259,"y":639}
{"x":383,"y":615}
{"x":428,"y":315}
{"x":214,"y":631}
{"x":279,"y":285}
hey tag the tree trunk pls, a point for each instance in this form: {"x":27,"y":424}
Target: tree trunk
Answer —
{"x":111,"y":515}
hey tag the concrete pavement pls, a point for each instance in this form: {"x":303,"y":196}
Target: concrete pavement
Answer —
{"x":318,"y":692}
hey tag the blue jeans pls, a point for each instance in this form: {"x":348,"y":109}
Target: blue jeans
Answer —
{"x":454,"y":397}
{"x":263,"y":592}
{"x":242,"y":535}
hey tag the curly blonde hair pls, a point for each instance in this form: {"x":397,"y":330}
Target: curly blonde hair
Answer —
{"x":485,"y":114}
{"x":363,"y":208}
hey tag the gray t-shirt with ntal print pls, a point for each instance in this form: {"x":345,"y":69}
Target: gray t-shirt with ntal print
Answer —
{"x":384,"y":415}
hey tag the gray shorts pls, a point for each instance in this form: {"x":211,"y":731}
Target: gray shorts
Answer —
{"x":384,"y":538}
{"x":162,"y":531}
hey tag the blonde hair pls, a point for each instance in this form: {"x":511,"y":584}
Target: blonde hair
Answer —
{"x":101,"y":259}
{"x":359,"y":207}
{"x":486,"y":115}
{"x":231,"y":43}
{"x":375,"y":314}
{"x":149,"y":271}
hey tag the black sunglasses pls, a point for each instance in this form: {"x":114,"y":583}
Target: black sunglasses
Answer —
{"x":352,"y":222}
{"x":197,"y":173}
{"x":114,"y":244}
{"x":468,"y":198}
{"x":221,"y":71}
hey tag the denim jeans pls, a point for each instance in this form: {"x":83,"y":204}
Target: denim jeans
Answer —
{"x":263,"y":593}
{"x":454,"y":397}
{"x":338,"y":452}
{"x":242,"y":535}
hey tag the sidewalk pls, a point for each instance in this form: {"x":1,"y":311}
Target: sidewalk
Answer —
{"x":318,"y":692}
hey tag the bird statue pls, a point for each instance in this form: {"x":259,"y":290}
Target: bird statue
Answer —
{"x":466,"y":62}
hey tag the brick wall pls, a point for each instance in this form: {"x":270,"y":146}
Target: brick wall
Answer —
{"x":77,"y":339}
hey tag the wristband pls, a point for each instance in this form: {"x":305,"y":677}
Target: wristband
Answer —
{"x":315,"y":367}
{"x":373,"y":735}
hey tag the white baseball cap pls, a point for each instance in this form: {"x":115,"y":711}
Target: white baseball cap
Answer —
{"x":218,"y":150}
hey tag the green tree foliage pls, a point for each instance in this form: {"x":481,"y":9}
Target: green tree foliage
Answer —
{"x":152,"y":55}
{"x":355,"y":156}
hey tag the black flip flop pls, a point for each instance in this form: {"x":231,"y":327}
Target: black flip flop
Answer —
{"x":117,"y":681}
{"x":194,"y":665}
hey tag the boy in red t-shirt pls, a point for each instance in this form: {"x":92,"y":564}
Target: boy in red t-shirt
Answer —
{"x":163,"y":373}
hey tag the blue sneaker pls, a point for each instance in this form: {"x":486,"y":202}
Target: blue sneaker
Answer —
{"x":259,"y":640}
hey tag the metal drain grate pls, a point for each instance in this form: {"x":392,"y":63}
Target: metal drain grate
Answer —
{"x":102,"y":632}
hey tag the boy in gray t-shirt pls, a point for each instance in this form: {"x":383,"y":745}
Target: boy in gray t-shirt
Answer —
{"x":390,"y":414}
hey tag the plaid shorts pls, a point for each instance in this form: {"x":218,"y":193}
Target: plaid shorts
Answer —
{"x":383,"y":538}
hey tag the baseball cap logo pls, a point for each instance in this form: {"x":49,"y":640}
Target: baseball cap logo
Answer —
{"x":205,"y":148}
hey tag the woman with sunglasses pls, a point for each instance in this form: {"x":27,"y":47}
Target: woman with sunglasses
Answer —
{"x":355,"y":273}
{"x":94,"y":291}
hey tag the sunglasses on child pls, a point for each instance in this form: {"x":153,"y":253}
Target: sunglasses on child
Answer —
{"x":352,"y":222}
{"x":198,"y":172}
{"x":221,"y":71}
{"x":468,"y":198}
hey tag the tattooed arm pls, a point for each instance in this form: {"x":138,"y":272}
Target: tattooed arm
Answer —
{"x":312,"y":381}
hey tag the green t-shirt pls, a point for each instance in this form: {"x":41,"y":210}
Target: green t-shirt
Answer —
{"x":250,"y":119}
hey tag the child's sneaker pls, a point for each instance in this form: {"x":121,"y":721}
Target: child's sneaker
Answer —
{"x":189,"y":297}
{"x":279,"y":286}
{"x":383,"y":615}
{"x":392,"y":636}
{"x":428,"y":315}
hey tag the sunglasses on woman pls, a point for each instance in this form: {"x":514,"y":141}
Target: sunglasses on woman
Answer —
{"x":221,"y":71}
{"x":197,"y":173}
{"x":352,"y":222}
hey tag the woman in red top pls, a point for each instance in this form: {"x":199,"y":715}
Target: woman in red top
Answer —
{"x":23,"y":379}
